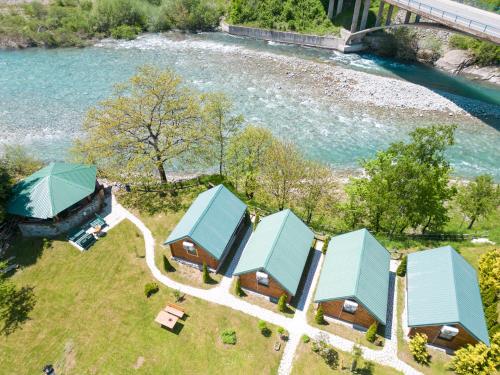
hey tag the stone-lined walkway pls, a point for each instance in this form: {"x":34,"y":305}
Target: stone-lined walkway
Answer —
{"x":296,"y":326}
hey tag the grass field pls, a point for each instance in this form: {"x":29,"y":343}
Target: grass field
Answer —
{"x":307,"y":362}
{"x":91,"y":317}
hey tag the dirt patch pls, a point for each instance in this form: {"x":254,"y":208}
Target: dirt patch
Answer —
{"x":68,"y":360}
{"x":138,"y":364}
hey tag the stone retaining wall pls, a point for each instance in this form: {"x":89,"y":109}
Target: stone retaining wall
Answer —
{"x":327,"y":42}
{"x":55,"y":229}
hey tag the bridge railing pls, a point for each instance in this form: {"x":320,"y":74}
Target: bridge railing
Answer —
{"x":446,"y":15}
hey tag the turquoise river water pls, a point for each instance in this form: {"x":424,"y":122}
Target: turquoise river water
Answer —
{"x":44,"y":95}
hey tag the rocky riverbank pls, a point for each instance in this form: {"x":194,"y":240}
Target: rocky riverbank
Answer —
{"x":335,"y":83}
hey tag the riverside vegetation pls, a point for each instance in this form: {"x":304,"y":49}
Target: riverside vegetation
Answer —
{"x":66,"y":23}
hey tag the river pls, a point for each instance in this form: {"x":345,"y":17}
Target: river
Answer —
{"x":336,"y":108}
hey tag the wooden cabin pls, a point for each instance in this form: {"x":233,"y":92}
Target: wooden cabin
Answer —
{"x":354,"y":281}
{"x":273,"y":260}
{"x":215,"y":222}
{"x":443,"y":299}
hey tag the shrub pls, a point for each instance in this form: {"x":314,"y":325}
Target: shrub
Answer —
{"x":125,"y":32}
{"x":193,"y":15}
{"x":108,"y":14}
{"x":477,"y":359}
{"x":484,"y":53}
{"x":150,"y":289}
{"x":229,"y":336}
{"x":305,"y":339}
{"x":282,"y":332}
{"x":326,"y":351}
{"x":418,"y":349}
{"x":319,"y":318}
{"x":357,"y":355}
{"x":177,"y":295}
{"x":371,"y":334}
{"x":264,"y":329}
{"x":237,"y":288}
{"x":166,"y":264}
{"x":205,"y":274}
{"x":325,"y":244}
{"x":401,"y":271}
{"x":282,"y":303}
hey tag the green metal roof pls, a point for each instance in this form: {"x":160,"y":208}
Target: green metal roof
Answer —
{"x":52,"y":189}
{"x":211,"y":220}
{"x":443,"y":289}
{"x":356,"y":266}
{"x":279,"y":246}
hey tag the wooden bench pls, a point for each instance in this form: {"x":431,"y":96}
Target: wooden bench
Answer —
{"x":176,"y":310}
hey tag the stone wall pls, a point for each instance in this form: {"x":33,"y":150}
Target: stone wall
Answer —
{"x":55,"y":229}
{"x":328,"y":42}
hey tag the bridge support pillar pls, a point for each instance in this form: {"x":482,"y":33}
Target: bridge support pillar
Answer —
{"x":339,"y":6}
{"x":331,"y":5}
{"x":407,"y":16}
{"x":417,"y":18}
{"x":380,"y":13}
{"x":364,"y":17}
{"x":355,"y":16}
{"x":389,"y":15}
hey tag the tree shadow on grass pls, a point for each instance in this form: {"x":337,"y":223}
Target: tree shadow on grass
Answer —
{"x":18,"y":305}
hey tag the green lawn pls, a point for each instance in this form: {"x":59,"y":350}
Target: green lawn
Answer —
{"x":307,"y":362}
{"x":161,"y":224}
{"x":439,"y":360}
{"x":91,"y":317}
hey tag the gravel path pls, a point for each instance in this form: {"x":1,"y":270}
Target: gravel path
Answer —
{"x":296,"y":327}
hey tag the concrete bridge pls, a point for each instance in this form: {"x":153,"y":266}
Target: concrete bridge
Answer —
{"x":449,"y":14}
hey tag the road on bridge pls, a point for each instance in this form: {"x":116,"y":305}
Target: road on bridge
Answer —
{"x":461,"y":15}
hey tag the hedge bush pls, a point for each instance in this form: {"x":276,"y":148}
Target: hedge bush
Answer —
{"x":150,"y":289}
{"x":266,"y":332}
{"x":229,"y":337}
{"x":418,"y":349}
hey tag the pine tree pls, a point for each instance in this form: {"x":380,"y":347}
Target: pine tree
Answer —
{"x":401,"y":271}
{"x":206,"y":276}
{"x":166,"y":264}
{"x":237,"y":288}
{"x":282,"y":303}
{"x":371,"y":334}
{"x":320,"y":316}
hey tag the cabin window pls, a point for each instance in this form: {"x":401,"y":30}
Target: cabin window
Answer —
{"x":350,"y":306}
{"x":190,"y":248}
{"x":448,"y":333}
{"x":262,"y":278}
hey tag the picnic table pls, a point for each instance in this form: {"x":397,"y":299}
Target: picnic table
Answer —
{"x":166,"y":319}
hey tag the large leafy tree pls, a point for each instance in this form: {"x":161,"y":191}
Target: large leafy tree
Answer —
{"x":282,"y":172}
{"x":406,"y":185}
{"x":316,"y":189}
{"x":478,"y":198}
{"x":149,"y":123}
{"x":246,"y":157}
{"x":222,"y":126}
